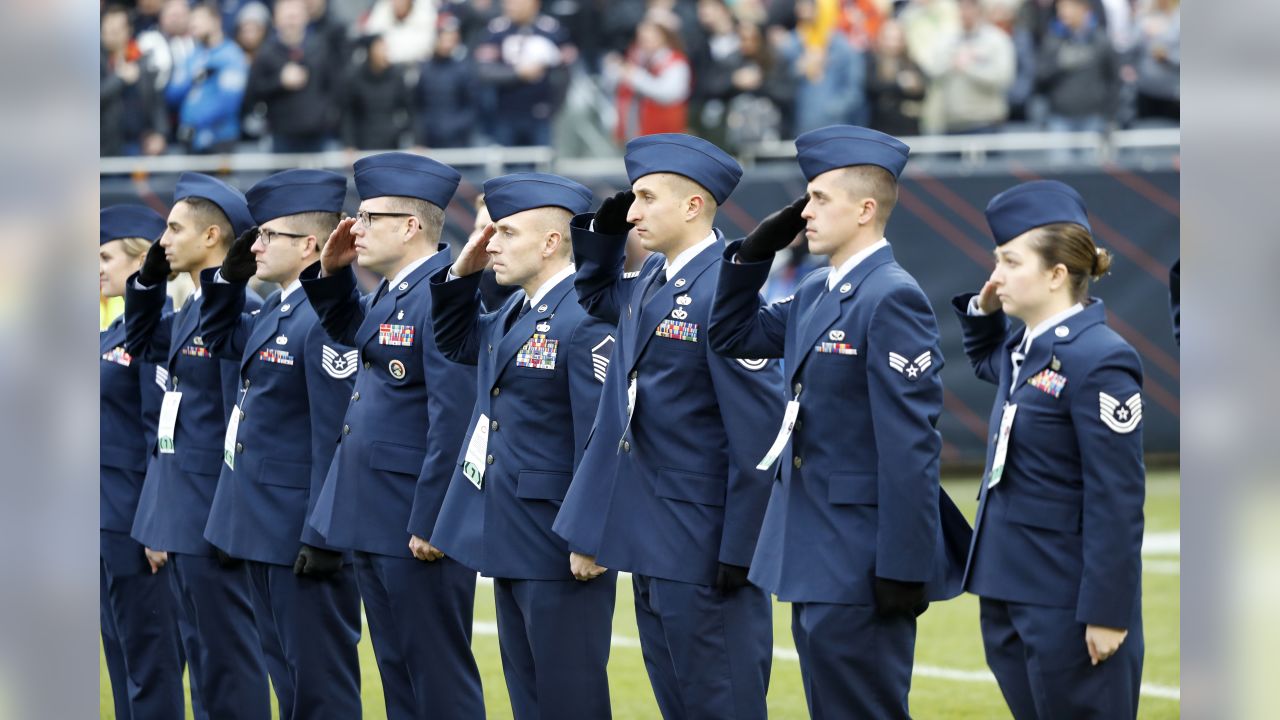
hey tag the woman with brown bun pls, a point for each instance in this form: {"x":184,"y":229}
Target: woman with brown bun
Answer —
{"x":1056,"y":555}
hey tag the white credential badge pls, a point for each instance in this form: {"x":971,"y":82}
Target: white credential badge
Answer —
{"x":474,"y":462}
{"x":1002,"y":445}
{"x":168,"y":421}
{"x":784,"y":434}
{"x":229,"y":441}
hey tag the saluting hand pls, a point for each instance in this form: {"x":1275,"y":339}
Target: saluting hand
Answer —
{"x":987,"y":300}
{"x":240,"y":264}
{"x":475,"y":254}
{"x":340,"y":249}
{"x":424,"y":550}
{"x":775,"y":232}
{"x":155,"y":267}
{"x":611,"y":218}
{"x":584,"y":567}
{"x":1103,"y":642}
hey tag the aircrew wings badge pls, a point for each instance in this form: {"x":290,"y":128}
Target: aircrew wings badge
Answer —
{"x":338,"y":365}
{"x":911,"y":369}
{"x":1120,"y":418}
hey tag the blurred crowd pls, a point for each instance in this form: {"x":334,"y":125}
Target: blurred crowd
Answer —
{"x":310,"y":75}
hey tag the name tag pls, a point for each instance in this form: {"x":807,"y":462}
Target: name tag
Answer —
{"x":229,"y":442}
{"x":678,"y":330}
{"x":1002,"y":445}
{"x":168,"y":421}
{"x":475,"y":460}
{"x":398,"y":335}
{"x":784,"y":434}
{"x":538,"y":352}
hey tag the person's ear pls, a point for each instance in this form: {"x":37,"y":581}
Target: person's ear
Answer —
{"x":693,"y":207}
{"x":867,"y":210}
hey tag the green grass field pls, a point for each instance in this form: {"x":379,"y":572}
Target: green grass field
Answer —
{"x":951,"y":679}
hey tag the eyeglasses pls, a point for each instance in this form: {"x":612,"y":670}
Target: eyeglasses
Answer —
{"x":366,"y":218}
{"x":269,"y":236}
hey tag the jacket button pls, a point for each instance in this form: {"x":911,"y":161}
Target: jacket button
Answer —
{"x":489,"y":460}
{"x":493,"y":426}
{"x":355,"y":397}
{"x":626,"y":446}
{"x":797,"y":462}
{"x":634,"y":374}
{"x":496,"y":391}
{"x":798,"y":424}
{"x":346,"y":429}
{"x":239,"y":448}
{"x":367,"y":365}
{"x":246,"y":383}
{"x":241,"y":416}
{"x":797,"y":388}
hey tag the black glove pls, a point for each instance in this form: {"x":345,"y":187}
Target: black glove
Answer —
{"x":155,"y":267}
{"x":731,"y":577}
{"x":774,"y":232}
{"x":225,"y":560}
{"x":239,"y":265}
{"x":317,"y":562}
{"x":894,"y":597}
{"x":611,"y":218}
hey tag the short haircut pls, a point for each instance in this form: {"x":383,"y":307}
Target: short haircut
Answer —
{"x":430,"y":215}
{"x":207,"y":213}
{"x":318,"y":223}
{"x":688,"y":186}
{"x":874,"y":182}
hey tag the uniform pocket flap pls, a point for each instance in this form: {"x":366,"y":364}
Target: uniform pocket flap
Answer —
{"x":853,"y":489}
{"x":285,"y":474}
{"x":691,"y":487}
{"x":396,"y":458}
{"x":124,"y":458}
{"x":535,"y":485}
{"x":200,"y":461}
{"x":1044,"y":513}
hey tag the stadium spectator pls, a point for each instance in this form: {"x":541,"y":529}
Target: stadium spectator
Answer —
{"x":321,"y":22}
{"x":828,"y":72}
{"x":1077,"y":70}
{"x":408,"y":26}
{"x":1004,"y":15}
{"x":169,"y":43}
{"x":925,"y":23}
{"x":252,"y":23}
{"x":895,"y":84}
{"x":974,"y":71}
{"x":653,"y":83}
{"x":293,"y":78}
{"x":762,"y":92}
{"x":525,"y":57}
{"x":209,"y":87}
{"x":446,"y":103}
{"x":146,"y":15}
{"x":376,"y":101}
{"x":713,"y":65}
{"x":131,"y":112}
{"x":1159,"y":60}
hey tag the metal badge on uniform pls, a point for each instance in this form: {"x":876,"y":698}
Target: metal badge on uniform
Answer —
{"x":403,"y":286}
{"x":1055,"y":363}
{"x":285,"y":308}
{"x":600,"y":356}
{"x":338,"y":366}
{"x":542,"y":308}
{"x":1121,"y":418}
{"x":678,"y":330}
{"x":275,"y":355}
{"x":400,"y":315}
{"x":543,"y":327}
{"x":835,"y":335}
{"x":846,"y":288}
{"x":197,"y":340}
{"x":1061,"y":331}
{"x":118,"y":356}
{"x":1049,"y":382}
{"x":684,"y":299}
{"x":679,"y":282}
{"x":396,"y":368}
{"x":282,"y":340}
{"x":679,"y":314}
{"x":538,"y":352}
{"x":911,"y":369}
{"x":397,"y":335}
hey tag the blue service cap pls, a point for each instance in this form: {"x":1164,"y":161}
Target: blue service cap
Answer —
{"x":231,"y":200}
{"x":403,"y":174}
{"x":837,"y":146}
{"x":296,"y":191}
{"x":129,"y":221}
{"x":692,"y":157}
{"x":509,"y":194}
{"x":1032,"y":205}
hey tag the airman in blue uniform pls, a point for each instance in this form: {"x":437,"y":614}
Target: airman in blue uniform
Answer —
{"x":400,"y":437}
{"x":139,"y":630}
{"x":1056,"y":556}
{"x":223,"y":651}
{"x":859,"y":535}
{"x":541,"y":362}
{"x":295,"y":385}
{"x":667,"y":488}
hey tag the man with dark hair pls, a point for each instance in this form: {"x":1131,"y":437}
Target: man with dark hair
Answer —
{"x":279,"y":443}
{"x":294,"y":75}
{"x":526,"y":58}
{"x":223,"y":649}
{"x":208,"y":85}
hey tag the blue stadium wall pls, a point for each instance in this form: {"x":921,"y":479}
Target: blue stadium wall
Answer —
{"x":939,"y":234}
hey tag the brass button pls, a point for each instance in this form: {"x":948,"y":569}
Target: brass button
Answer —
{"x":626,"y":446}
{"x":496,"y":391}
{"x":797,"y":388}
{"x":346,"y":429}
{"x":246,"y":383}
{"x":241,"y":416}
{"x":367,"y":365}
{"x":493,"y":426}
{"x":355,"y":397}
{"x":489,"y":460}
{"x":797,"y":462}
{"x":239,"y":448}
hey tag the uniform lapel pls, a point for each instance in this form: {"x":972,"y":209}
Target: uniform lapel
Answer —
{"x":1044,"y":346}
{"x":188,"y":321}
{"x":664,"y":300}
{"x":830,"y":306}
{"x":381,"y":311}
{"x":525,"y":326}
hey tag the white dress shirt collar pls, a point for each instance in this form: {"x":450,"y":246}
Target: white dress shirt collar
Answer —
{"x":554,"y":280}
{"x":838,"y":274}
{"x":674,"y":266}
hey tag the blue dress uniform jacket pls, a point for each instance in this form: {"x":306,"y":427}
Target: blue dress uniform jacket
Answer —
{"x":859,"y":494}
{"x":295,"y":386}
{"x":131,"y":391}
{"x":405,"y":420}
{"x":690,"y":496}
{"x":1063,"y":528}
{"x":539,"y":387}
{"x":174,"y":506}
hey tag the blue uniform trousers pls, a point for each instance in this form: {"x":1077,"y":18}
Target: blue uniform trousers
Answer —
{"x":315,"y":624}
{"x":223,"y":647}
{"x":1040,"y":659}
{"x":854,"y":663}
{"x":708,"y":654}
{"x":420,"y":622}
{"x":139,"y":632}
{"x":555,"y":638}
